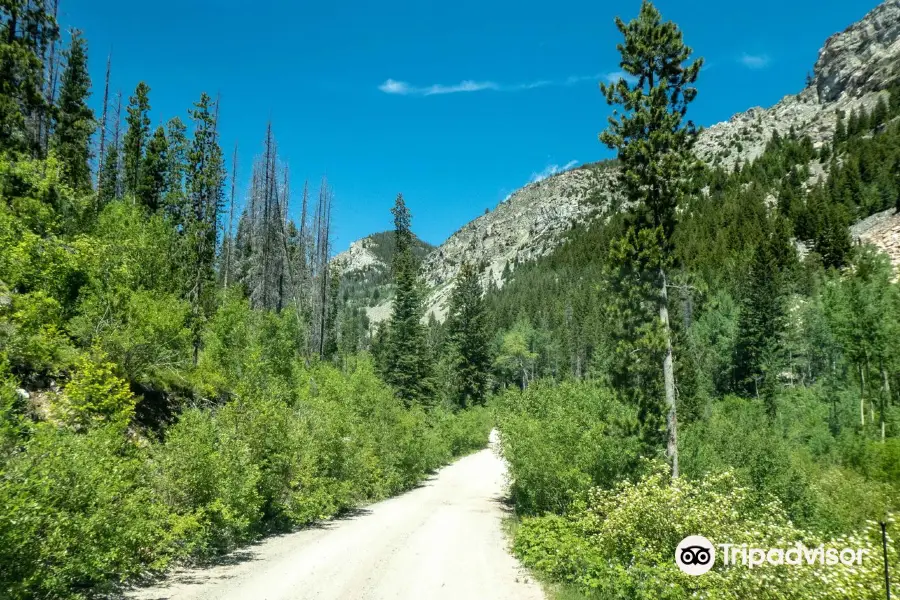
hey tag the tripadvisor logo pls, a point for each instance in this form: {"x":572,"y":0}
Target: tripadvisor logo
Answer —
{"x":696,"y":555}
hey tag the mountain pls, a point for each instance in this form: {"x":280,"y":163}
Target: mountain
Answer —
{"x":853,"y":69}
{"x":365,"y":269}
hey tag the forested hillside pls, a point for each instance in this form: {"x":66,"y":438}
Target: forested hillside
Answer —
{"x":171,"y":382}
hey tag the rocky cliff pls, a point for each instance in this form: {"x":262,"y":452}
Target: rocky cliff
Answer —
{"x":852,"y":70}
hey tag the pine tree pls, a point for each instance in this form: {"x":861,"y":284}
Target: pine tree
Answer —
{"x":109,"y":177}
{"x":762,"y":317}
{"x":175,"y":202}
{"x":853,"y":124}
{"x":880,"y":114}
{"x":655,"y":149}
{"x":153,"y":172}
{"x":205,"y":181}
{"x":74,"y":119}
{"x":840,"y":130}
{"x":406,"y":363}
{"x":136,"y":136}
{"x":331,"y":317}
{"x":467,"y":329}
{"x":26,"y":29}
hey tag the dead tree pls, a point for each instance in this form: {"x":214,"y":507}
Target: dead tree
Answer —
{"x":229,"y":238}
{"x":102,"y":154}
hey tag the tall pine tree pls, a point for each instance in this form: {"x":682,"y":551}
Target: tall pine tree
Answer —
{"x":26,"y":30}
{"x":154,"y":171}
{"x":654,"y":146}
{"x":406,"y":362}
{"x":763,"y":316}
{"x":469,"y":338}
{"x":136,"y":137}
{"x":74,"y":119}
{"x":205,"y":181}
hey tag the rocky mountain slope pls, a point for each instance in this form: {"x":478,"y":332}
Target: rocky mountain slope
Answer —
{"x":365,"y":269}
{"x":852,"y":70}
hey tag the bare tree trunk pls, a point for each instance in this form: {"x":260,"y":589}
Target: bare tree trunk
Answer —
{"x":323,"y":248}
{"x":228,"y":250}
{"x":102,"y":154}
{"x":669,"y":377}
{"x":886,"y":386}
{"x":862,"y":396}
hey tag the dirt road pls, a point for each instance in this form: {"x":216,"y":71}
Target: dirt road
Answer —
{"x":442,"y":541}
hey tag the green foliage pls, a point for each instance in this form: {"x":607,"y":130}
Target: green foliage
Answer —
{"x":96,"y":395}
{"x":136,"y":137}
{"x":152,"y":186}
{"x":22,"y":73}
{"x":74,"y":119}
{"x":469,"y":341}
{"x":762,"y":316}
{"x":77,"y":515}
{"x":405,"y":362}
{"x":652,"y":130}
{"x":619,"y":543}
{"x":562,"y":440}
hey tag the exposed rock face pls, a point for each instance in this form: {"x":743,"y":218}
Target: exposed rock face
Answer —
{"x":861,"y":58}
{"x":357,"y":258}
{"x":528,"y":225}
{"x":882,"y":230}
{"x":853,"y":68}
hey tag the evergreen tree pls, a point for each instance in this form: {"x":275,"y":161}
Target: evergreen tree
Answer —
{"x":205,"y":181}
{"x":880,"y":114}
{"x":840,"y":130}
{"x":136,"y":137}
{"x":469,"y":338}
{"x":406,"y":363}
{"x":26,"y":30}
{"x":853,"y":124}
{"x":762,"y":318}
{"x":331,"y":317}
{"x":654,"y":146}
{"x":175,"y":201}
{"x":153,"y":173}
{"x":74,"y":119}
{"x":110,"y":176}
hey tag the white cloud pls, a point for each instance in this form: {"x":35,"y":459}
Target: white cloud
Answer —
{"x":464,"y":86}
{"x":402,"y":88}
{"x":754,"y":61}
{"x":395,"y":87}
{"x":551,"y":170}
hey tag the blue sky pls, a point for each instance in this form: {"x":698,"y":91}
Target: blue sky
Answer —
{"x":454,"y":104}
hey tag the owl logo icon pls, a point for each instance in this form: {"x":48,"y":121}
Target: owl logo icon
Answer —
{"x":695,"y":555}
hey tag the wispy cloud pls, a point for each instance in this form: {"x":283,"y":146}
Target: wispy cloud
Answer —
{"x":403,"y":88}
{"x":754,"y":61}
{"x":551,"y":170}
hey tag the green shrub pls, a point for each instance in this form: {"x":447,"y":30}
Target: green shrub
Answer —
{"x":95,"y":394}
{"x":561,"y":440}
{"x":77,"y":515}
{"x":205,"y":472}
{"x":620,"y":544}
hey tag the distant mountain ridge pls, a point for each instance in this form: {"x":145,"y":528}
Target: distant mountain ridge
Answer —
{"x":852,"y":70}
